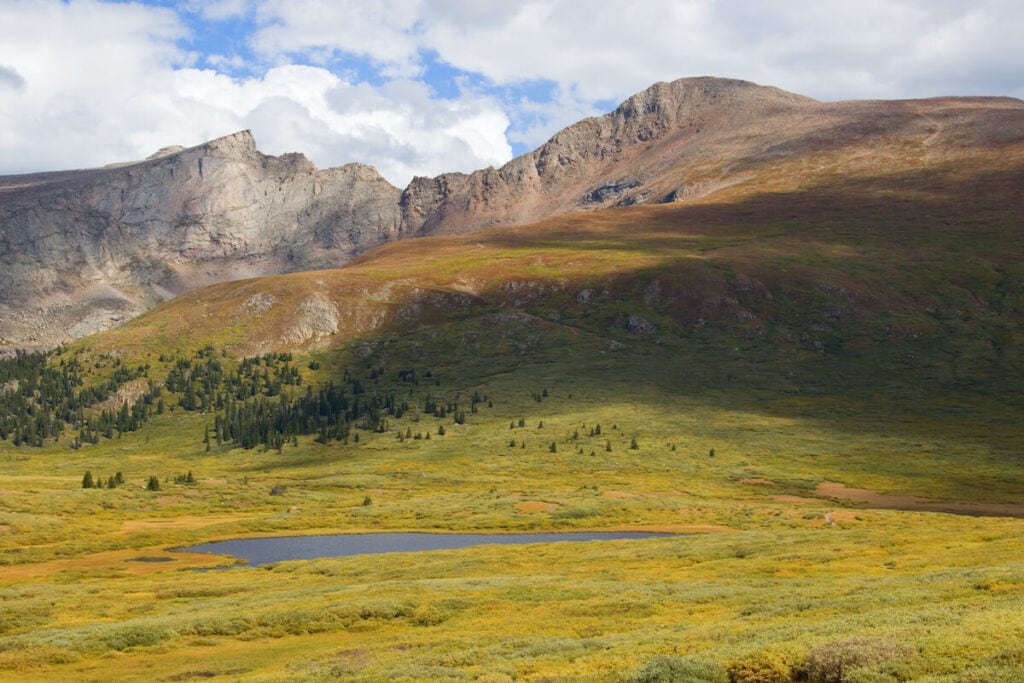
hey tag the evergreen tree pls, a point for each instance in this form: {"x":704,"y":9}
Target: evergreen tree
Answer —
{"x":153,"y":484}
{"x":87,"y":481}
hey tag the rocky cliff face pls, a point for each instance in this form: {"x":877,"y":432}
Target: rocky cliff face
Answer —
{"x":82,"y":251}
{"x":622,"y":158}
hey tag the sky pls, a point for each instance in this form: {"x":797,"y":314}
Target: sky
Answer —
{"x":422,"y":87}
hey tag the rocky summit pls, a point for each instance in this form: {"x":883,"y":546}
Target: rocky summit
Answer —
{"x":82,"y":251}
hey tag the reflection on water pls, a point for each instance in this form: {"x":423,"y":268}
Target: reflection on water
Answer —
{"x":257,"y":551}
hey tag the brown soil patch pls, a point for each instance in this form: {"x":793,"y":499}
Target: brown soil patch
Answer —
{"x":5,"y":528}
{"x":186,"y":522}
{"x":127,"y":561}
{"x":835,"y":490}
{"x":842,"y":516}
{"x":533,"y":506}
{"x":619,"y":494}
{"x":126,"y":394}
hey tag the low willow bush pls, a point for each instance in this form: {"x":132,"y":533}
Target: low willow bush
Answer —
{"x":668,"y":669}
{"x":764,"y":667}
{"x":838,"y":661}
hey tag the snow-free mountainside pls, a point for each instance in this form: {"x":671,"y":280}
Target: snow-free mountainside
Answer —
{"x":788,"y":333}
{"x":82,"y":251}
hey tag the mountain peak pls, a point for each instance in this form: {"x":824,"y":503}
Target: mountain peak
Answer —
{"x":128,"y":236}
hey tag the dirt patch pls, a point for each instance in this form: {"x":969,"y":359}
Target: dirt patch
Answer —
{"x":534,"y":506}
{"x":841,"y":516}
{"x":127,"y":394}
{"x":619,"y":494}
{"x":151,"y":558}
{"x":5,"y":528}
{"x":128,"y":561}
{"x":837,"y":491}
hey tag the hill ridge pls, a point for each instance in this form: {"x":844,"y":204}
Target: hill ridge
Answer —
{"x":85,"y":250}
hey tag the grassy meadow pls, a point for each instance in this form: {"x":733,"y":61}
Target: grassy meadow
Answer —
{"x":714,"y":371}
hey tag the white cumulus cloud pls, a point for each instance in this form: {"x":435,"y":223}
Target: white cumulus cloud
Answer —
{"x":88,"y":83}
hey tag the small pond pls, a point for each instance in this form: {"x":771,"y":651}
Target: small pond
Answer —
{"x":257,"y":551}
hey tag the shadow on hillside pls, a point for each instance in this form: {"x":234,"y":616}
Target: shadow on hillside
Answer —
{"x":949,"y":206}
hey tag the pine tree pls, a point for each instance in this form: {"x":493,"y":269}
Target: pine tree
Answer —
{"x":87,"y":482}
{"x":153,"y":484}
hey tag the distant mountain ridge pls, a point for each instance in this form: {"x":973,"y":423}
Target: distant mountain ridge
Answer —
{"x":82,"y":251}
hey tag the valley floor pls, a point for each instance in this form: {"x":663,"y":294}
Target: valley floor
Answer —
{"x":783,"y":564}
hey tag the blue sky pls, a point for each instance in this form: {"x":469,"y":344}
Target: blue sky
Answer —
{"x":418,"y":87}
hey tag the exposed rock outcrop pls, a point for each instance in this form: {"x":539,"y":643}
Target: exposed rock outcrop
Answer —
{"x":82,"y":251}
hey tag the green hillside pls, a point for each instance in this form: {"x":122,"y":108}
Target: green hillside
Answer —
{"x":741,"y":371}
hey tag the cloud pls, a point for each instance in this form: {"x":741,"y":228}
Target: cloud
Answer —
{"x":417,"y":87}
{"x":383,"y":31}
{"x":399,"y":127}
{"x":603,"y":50}
{"x":219,"y":10}
{"x":101,"y":83}
{"x":10,"y":79}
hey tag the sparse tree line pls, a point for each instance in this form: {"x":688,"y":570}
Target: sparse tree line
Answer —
{"x":254,"y":403}
{"x":90,"y":482}
{"x":152,"y":483}
{"x":40,"y":400}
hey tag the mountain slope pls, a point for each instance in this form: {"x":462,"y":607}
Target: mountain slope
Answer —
{"x":920,"y":273}
{"x":86,"y":250}
{"x":83,"y":250}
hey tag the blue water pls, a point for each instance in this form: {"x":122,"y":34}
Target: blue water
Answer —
{"x":257,"y":551}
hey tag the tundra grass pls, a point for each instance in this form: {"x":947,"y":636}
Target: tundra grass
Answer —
{"x":859,"y":340}
{"x":763,"y":565}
